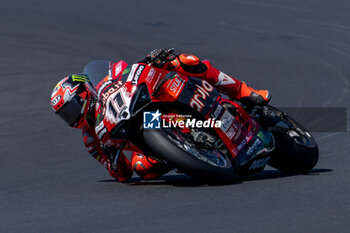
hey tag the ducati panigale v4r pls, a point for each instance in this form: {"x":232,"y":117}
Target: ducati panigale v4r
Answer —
{"x":192,"y":127}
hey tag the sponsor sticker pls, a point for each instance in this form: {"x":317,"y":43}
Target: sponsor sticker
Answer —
{"x":230,"y":133}
{"x":56,"y":100}
{"x":118,"y":69}
{"x":175,"y":86}
{"x":102,"y":133}
{"x":110,"y":90}
{"x":254,"y":147}
{"x":226,"y":121}
{"x":103,"y":87}
{"x":245,"y":140}
{"x":201,"y":94}
{"x":99,"y":127}
{"x":137,"y":74}
{"x":132,"y":72}
{"x":150,"y":75}
{"x":217,"y":111}
{"x":261,"y":135}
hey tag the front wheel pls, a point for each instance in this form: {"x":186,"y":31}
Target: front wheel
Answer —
{"x":195,"y":159}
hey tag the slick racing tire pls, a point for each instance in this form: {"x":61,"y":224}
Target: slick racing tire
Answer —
{"x":295,"y":151}
{"x":187,"y":158}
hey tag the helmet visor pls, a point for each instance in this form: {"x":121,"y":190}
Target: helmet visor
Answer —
{"x":72,"y":111}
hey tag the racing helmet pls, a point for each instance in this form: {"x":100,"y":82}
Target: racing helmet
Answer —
{"x":70,"y":99}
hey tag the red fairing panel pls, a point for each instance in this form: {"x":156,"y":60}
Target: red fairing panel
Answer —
{"x":235,"y":131}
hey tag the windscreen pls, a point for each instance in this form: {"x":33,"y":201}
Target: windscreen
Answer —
{"x":97,"y":70}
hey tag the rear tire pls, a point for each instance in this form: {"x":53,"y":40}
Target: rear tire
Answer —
{"x":291,"y":157}
{"x":295,"y":150}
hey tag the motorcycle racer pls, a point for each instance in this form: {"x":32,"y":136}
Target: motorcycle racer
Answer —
{"x":74,"y":103}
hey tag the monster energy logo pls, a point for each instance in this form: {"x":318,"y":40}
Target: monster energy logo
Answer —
{"x":78,"y":78}
{"x":268,"y":142}
{"x":261,"y":135}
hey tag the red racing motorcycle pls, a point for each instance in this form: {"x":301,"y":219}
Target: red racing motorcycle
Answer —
{"x":186,"y":123}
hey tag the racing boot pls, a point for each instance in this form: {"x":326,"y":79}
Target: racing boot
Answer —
{"x":148,"y":168}
{"x":191,"y":65}
{"x":249,"y":96}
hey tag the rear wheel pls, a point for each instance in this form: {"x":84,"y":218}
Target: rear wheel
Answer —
{"x":296,"y":150}
{"x":198,"y":153}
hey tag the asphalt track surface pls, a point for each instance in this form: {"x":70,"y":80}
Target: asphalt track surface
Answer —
{"x":299,"y":50}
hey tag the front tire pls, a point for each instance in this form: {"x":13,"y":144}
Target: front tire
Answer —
{"x":177,"y":153}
